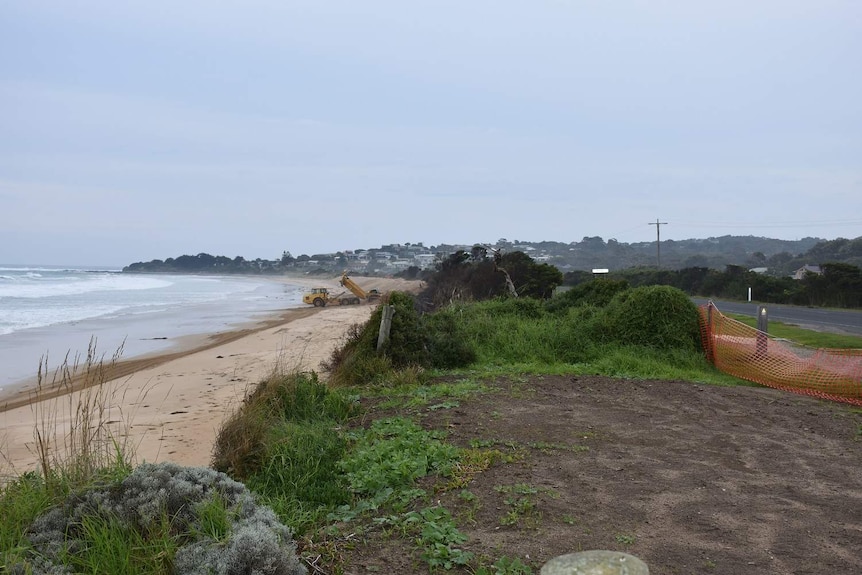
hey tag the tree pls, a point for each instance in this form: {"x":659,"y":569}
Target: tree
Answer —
{"x":840,"y":285}
{"x":478,"y":253}
{"x":529,"y":278}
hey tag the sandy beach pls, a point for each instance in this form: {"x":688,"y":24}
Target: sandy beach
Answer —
{"x":172,"y":404}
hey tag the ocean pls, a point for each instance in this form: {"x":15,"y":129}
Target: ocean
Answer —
{"x":49,"y":312}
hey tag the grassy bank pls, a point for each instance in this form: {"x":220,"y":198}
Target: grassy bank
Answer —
{"x":349,"y":458}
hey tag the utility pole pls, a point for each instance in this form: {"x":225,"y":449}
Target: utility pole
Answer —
{"x":658,"y":226}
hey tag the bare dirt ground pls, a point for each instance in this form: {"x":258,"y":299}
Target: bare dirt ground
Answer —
{"x":690,"y":478}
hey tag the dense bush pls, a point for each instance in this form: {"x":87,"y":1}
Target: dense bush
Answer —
{"x":416,"y":340}
{"x":660,"y":317}
{"x":598,"y":292}
{"x":446,"y":339}
{"x":406,"y":344}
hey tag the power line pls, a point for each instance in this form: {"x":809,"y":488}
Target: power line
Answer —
{"x":658,"y":226}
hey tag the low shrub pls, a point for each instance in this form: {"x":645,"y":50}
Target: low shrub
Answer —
{"x":169,"y":504}
{"x":660,"y":317}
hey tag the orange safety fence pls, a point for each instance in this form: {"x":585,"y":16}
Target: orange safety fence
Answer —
{"x":747,"y":353}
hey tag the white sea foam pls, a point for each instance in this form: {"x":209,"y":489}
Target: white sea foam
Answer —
{"x":57,"y":286}
{"x":60,"y":309}
{"x":34,"y":299}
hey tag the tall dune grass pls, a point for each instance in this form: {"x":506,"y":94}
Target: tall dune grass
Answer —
{"x":80,"y":438}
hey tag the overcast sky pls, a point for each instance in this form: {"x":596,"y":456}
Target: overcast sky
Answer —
{"x":134,"y":130}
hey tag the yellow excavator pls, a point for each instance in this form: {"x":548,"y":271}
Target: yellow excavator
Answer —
{"x":321,"y":296}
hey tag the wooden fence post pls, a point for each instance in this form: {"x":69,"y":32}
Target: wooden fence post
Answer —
{"x":709,"y":341}
{"x":385,"y":325}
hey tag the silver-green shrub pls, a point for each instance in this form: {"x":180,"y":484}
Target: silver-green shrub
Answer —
{"x":256,"y":543}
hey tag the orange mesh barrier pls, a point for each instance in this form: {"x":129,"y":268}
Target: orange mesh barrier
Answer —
{"x":747,"y":353}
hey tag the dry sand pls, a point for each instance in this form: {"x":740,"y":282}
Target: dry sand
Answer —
{"x":172,"y":405}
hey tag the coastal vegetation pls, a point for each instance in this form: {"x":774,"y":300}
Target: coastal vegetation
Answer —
{"x":718,"y":268}
{"x":309,"y":465}
{"x":779,"y":258}
{"x":835,"y":284}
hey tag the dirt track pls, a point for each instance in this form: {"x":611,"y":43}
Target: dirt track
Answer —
{"x":690,"y":478}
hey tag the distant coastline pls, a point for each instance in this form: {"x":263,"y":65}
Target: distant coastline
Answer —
{"x":779,"y":257}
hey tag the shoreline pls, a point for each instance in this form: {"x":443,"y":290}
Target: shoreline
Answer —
{"x":40,"y":351}
{"x":180,"y":347}
{"x":170,"y":406}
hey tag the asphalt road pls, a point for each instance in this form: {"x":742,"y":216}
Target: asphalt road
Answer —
{"x":830,"y":320}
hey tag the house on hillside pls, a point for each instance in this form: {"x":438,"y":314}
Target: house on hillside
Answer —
{"x":425,"y":261}
{"x":806,"y":269}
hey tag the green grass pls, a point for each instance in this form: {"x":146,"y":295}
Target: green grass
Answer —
{"x":299,"y":475}
{"x":21,"y":501}
{"x":574,"y":342}
{"x":431,"y":395}
{"x":807,"y":337}
{"x":115,"y":547}
{"x":306,"y":450}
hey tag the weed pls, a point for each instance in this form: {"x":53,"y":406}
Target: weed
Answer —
{"x":82,"y":438}
{"x":444,"y":405}
{"x":471,"y":507}
{"x":482,"y":443}
{"x":439,"y":538}
{"x":114,"y":547}
{"x":521,"y":503}
{"x":625,"y":539}
{"x":505,"y":566}
{"x":394,"y":453}
{"x":159,"y":518}
{"x":470,"y":463}
{"x":547,"y":448}
{"x":519,"y":391}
